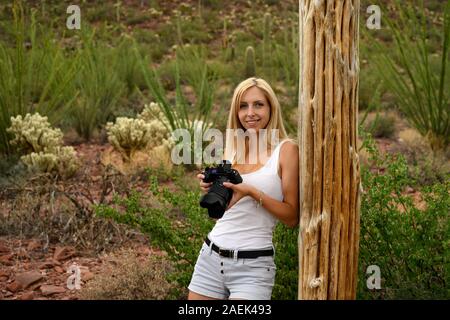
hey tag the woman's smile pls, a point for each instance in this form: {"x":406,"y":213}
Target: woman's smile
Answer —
{"x":254,"y":109}
{"x":253,"y":122}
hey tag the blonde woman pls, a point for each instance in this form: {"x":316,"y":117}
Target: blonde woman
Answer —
{"x":236,"y":260}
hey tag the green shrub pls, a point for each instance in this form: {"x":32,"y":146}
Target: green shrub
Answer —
{"x":410,"y":245}
{"x":285,"y":241}
{"x":383,"y":126}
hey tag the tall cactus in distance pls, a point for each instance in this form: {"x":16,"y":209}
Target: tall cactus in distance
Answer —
{"x":179,"y":33}
{"x":266,"y":39}
{"x":250,"y":64}
{"x":224,"y":35}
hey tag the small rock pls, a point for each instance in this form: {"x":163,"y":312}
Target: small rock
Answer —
{"x":59,"y":269}
{"x":28,"y":278}
{"x":47,"y":264}
{"x":63,"y":253}
{"x":23,"y":254}
{"x":14,"y":286}
{"x":35,"y":286}
{"x":4,"y":249}
{"x":7,"y":260}
{"x":87,"y":275}
{"x":410,"y":190}
{"x":48,"y":290}
{"x":4,"y":273}
{"x":27,"y":296}
{"x":33,"y":245}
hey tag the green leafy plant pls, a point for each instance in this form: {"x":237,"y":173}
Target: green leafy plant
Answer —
{"x":99,"y":85}
{"x":416,"y":76}
{"x":35,"y":75}
{"x":408,"y":243}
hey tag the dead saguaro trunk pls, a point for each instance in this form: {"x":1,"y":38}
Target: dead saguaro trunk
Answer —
{"x":329,"y":167}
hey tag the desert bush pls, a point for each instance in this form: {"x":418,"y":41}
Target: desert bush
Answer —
{"x":427,"y":167}
{"x":410,"y":245}
{"x":382,"y":126}
{"x":61,"y":213}
{"x":131,"y":278}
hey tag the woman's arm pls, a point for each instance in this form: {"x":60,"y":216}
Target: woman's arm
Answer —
{"x":287,"y":210}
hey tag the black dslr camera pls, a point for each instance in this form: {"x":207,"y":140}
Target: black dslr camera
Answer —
{"x":218,"y":196}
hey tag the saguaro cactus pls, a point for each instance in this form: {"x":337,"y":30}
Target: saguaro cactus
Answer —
{"x":329,"y":167}
{"x":250,"y":64}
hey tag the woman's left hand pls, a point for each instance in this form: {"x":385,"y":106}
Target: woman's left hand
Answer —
{"x":239,"y":191}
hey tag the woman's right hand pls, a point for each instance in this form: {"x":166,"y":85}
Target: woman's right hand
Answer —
{"x":204,"y":186}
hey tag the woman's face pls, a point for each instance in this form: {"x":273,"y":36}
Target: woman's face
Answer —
{"x":254,"y":109}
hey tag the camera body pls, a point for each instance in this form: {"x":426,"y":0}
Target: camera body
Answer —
{"x":218,"y":197}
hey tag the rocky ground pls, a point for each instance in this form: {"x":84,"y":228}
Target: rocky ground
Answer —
{"x":32,"y":270}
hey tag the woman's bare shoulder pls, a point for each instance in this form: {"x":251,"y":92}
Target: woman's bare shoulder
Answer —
{"x":289,"y":147}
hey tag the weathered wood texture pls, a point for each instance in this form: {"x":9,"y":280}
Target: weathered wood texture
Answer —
{"x":330,"y":185}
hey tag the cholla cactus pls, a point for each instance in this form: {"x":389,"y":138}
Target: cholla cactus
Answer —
{"x":63,"y":161}
{"x":152,"y":112}
{"x":128,"y":135}
{"x":43,"y":145}
{"x":34,"y":134}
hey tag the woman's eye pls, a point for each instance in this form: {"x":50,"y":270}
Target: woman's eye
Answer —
{"x":259,"y":105}
{"x":243,"y":106}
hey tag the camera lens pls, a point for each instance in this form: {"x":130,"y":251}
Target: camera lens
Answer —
{"x":217,"y":199}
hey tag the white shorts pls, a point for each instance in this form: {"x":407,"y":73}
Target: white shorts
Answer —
{"x":228,"y":278}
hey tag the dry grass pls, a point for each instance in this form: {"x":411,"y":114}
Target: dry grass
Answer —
{"x":424,"y":164}
{"x":61,"y":211}
{"x":131,"y":277}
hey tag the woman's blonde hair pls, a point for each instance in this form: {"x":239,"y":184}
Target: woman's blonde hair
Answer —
{"x":275,"y":121}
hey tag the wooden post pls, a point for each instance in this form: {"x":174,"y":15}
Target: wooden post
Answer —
{"x":329,"y":165}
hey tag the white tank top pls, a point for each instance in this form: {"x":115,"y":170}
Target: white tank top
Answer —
{"x":244,"y":226}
